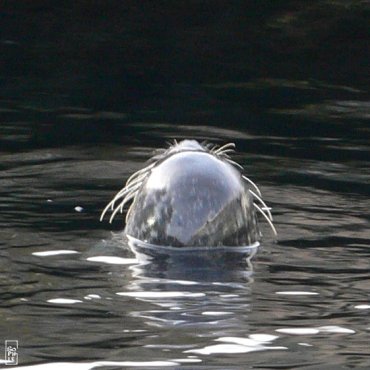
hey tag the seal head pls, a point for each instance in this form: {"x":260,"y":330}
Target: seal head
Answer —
{"x":191,"y":195}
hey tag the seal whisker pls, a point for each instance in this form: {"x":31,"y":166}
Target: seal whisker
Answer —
{"x":223,"y":147}
{"x":132,"y":179}
{"x":134,"y":185}
{"x":126,"y":199}
{"x":114,"y":214}
{"x":119,"y":208}
{"x":265,"y":208}
{"x":236,"y":164}
{"x":170,"y":143}
{"x":133,"y":182}
{"x":224,"y":152}
{"x":120,"y":194}
{"x":129,"y":211}
{"x":159,"y":152}
{"x":206,"y":144}
{"x":212,"y":148}
{"x":126,"y":190}
{"x":266,"y":217}
{"x":110,"y":205}
{"x":136,"y":178}
{"x":252,"y":183}
{"x":137,"y":173}
{"x":105,"y":210}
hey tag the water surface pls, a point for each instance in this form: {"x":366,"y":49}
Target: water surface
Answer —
{"x":72,"y":292}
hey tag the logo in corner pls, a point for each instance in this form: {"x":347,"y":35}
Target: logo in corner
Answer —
{"x":11,"y":352}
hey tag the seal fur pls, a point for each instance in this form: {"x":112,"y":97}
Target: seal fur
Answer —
{"x":192,"y":195}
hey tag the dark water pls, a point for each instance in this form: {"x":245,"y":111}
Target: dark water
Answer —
{"x":303,"y":302}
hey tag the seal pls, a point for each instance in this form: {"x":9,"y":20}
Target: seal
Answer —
{"x":192,"y":195}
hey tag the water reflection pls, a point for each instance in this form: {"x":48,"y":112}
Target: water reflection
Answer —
{"x":194,"y":288}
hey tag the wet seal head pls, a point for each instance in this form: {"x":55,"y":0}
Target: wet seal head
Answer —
{"x":192,"y":195}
